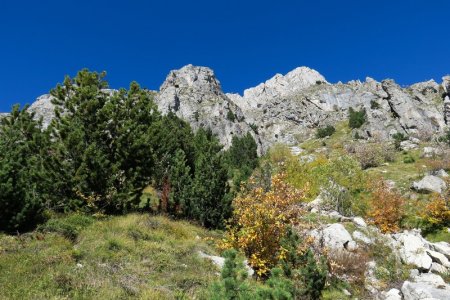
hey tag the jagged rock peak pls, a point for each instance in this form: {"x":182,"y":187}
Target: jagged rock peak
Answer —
{"x":282,"y":85}
{"x":194,"y":77}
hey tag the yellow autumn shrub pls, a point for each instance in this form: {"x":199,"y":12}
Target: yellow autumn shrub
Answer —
{"x":260,"y":220}
{"x":385,"y":206}
{"x":436,"y":213}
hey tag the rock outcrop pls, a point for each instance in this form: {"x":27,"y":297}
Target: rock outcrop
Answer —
{"x":195,"y":95}
{"x":289,"y":108}
{"x":44,"y":108}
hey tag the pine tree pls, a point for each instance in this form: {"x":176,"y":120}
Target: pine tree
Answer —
{"x":24,"y":182}
{"x":210,"y":182}
{"x":103,"y":141}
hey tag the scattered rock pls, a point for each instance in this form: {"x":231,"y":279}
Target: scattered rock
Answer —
{"x":437,"y":268}
{"x":296,"y":150}
{"x":439,"y":258}
{"x":429,"y":152}
{"x":359,"y":222}
{"x":440,"y":173}
{"x":429,"y":184}
{"x":220,"y":262}
{"x":408,"y":145}
{"x":392,"y":294}
{"x":441,"y":247}
{"x":426,"y":286}
{"x":358,"y":235}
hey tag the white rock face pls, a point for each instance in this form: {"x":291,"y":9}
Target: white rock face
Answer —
{"x":289,"y":108}
{"x":441,"y":247}
{"x":413,"y":250}
{"x":426,"y":286}
{"x":195,"y":95}
{"x":44,"y":108}
{"x":429,"y":184}
{"x":282,"y":86}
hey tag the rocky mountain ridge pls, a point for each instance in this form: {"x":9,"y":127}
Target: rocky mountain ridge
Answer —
{"x":288,"y":108}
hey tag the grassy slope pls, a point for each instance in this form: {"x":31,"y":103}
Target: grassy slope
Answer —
{"x":133,"y":256}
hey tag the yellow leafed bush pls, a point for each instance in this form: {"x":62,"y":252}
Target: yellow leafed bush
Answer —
{"x":386,"y":206}
{"x":260,"y":220}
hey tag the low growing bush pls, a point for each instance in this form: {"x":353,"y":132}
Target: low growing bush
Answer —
{"x":323,"y":132}
{"x":356,"y":119}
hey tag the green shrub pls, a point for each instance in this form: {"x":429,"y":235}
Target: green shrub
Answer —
{"x":398,"y":138}
{"x":25,"y":182}
{"x":356,"y":118}
{"x":374,"y":104}
{"x":233,"y":283}
{"x":307,"y":273}
{"x":408,"y":159}
{"x":231,"y":116}
{"x":325,"y":131}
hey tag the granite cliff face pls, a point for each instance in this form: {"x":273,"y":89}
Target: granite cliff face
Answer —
{"x":195,"y":95}
{"x":288,"y":108}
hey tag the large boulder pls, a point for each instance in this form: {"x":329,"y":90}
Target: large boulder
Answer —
{"x":426,"y":286}
{"x":333,"y":237}
{"x":430,"y":184}
{"x":441,"y":247}
{"x":413,"y":250}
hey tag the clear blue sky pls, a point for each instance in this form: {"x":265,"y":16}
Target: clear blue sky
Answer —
{"x":245,"y":42}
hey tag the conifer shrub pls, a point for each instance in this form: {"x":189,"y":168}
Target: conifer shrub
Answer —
{"x":398,"y":139}
{"x":356,"y":119}
{"x":323,"y":132}
{"x":25,"y":181}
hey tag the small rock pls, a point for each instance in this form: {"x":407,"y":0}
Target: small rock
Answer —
{"x":351,"y":246}
{"x":392,"y":294}
{"x":296,"y":150}
{"x":440,"y":173}
{"x":358,"y":235}
{"x":439,"y":258}
{"x":431,"y":152}
{"x":359,"y":221}
{"x":441,"y":247}
{"x":79,"y":265}
{"x":438,"y":268}
{"x":346,"y":292}
{"x":408,"y":145}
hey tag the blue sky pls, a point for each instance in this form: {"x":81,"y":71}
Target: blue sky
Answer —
{"x":244,"y":42}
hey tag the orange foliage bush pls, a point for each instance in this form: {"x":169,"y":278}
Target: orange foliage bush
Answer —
{"x":260,"y":220}
{"x":385,"y":206}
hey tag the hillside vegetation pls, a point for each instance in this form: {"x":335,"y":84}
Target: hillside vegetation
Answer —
{"x":115,"y":200}
{"x":129,"y":257}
